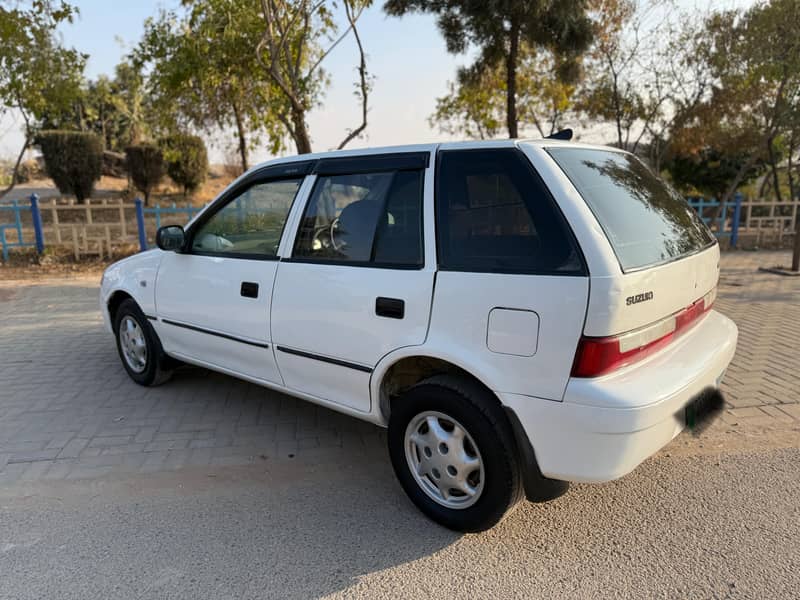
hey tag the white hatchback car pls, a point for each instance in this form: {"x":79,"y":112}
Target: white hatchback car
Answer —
{"x":520,"y":314}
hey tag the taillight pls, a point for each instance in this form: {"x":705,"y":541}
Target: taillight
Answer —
{"x":600,"y":355}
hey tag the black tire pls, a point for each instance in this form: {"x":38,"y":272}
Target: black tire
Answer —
{"x":155,"y":371}
{"x":478,"y":411}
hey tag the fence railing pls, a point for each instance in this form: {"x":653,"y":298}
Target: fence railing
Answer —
{"x":87,"y":230}
{"x":92,"y":228}
{"x":157,"y":211}
{"x":717,"y":221}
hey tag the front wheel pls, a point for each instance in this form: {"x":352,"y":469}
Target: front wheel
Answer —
{"x":453,"y":450}
{"x":138,"y":346}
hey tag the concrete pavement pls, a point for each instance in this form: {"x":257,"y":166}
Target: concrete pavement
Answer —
{"x":208,"y":487}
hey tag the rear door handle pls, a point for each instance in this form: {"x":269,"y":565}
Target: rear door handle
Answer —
{"x":249,"y":289}
{"x":392,"y":308}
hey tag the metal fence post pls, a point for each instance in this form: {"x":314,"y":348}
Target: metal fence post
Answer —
{"x":737,"y":213}
{"x":37,"y":223}
{"x":140,"y":224}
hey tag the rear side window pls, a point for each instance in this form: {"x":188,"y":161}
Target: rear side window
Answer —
{"x":646,"y":221}
{"x":364,"y":218}
{"x":494,"y":214}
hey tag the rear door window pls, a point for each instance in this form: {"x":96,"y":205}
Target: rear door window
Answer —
{"x":646,"y":220}
{"x":364,"y":219}
{"x":494,"y":214}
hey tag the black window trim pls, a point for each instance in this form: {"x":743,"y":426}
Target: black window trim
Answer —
{"x":268,"y":174}
{"x":714,"y":241}
{"x":583,"y":271}
{"x":372,"y":163}
{"x":370,"y":167}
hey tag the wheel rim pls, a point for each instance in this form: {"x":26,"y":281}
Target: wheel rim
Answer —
{"x":444,"y":460}
{"x":133,"y":344}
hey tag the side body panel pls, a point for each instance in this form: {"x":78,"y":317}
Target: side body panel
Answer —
{"x":463,"y":303}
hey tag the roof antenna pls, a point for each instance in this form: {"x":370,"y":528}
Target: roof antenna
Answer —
{"x":564,"y":134}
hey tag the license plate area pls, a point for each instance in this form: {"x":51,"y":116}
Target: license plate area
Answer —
{"x":703,"y":409}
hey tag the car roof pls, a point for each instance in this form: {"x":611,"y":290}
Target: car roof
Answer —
{"x":433,"y":147}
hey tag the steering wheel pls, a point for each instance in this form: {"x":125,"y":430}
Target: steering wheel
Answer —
{"x":333,"y":229}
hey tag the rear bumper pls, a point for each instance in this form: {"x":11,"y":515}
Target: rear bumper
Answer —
{"x":606,"y":426}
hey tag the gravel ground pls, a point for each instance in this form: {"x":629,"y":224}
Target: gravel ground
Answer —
{"x":710,"y":517}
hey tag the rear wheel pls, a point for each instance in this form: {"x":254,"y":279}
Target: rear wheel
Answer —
{"x":453,"y":451}
{"x":139,"y":347}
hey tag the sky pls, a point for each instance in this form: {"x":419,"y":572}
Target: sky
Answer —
{"x":406,"y":55}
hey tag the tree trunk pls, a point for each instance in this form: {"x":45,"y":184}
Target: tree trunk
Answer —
{"x":789,"y":174}
{"x":15,"y":172}
{"x":511,"y":82}
{"x":300,"y":132}
{"x":242,"y":137}
{"x":738,"y":179}
{"x":796,"y":251}
{"x":774,"y":167}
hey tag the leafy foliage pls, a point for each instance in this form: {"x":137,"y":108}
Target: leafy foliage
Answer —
{"x":73,"y":160}
{"x":186,"y":160}
{"x":145,"y":167}
{"x":500,"y":30}
{"x":37,"y":74}
{"x":476,"y":104}
{"x":112,"y":108}
{"x":204,"y":73}
{"x":709,"y":170}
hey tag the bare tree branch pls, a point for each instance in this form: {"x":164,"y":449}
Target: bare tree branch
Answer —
{"x":362,"y":73}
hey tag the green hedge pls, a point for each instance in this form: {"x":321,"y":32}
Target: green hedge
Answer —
{"x":186,"y":159}
{"x":145,"y":164}
{"x":73,"y":160}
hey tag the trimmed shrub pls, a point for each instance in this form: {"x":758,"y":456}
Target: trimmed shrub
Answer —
{"x":186,"y":159}
{"x":73,"y":160}
{"x":145,"y":163}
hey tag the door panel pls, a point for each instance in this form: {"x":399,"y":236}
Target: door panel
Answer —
{"x":330,"y":311}
{"x":205,"y":293}
{"x":357,"y":286}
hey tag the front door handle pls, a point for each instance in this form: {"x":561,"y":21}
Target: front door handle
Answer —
{"x":249,"y":289}
{"x":392,"y":308}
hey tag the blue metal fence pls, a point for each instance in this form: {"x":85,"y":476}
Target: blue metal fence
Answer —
{"x":16,"y":209}
{"x":158,"y":210}
{"x":725,"y":224}
{"x":719,"y":224}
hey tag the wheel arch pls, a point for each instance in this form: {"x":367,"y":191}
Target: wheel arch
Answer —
{"x":114,"y":301}
{"x":401,"y":369}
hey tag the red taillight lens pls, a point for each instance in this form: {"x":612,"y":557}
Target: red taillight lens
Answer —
{"x":600,"y":355}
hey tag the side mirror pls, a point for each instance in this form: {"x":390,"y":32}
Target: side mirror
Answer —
{"x":170,"y":238}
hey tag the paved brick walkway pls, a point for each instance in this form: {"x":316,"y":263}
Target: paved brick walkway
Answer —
{"x":68,"y":410}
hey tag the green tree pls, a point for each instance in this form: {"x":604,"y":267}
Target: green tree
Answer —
{"x":186,"y":160}
{"x":475,"y":105}
{"x":73,"y":160}
{"x":709,"y":170}
{"x":113,"y":108}
{"x":145,"y":163}
{"x":754,"y":59}
{"x":502,"y":30}
{"x":204,"y":75}
{"x":37,"y":74}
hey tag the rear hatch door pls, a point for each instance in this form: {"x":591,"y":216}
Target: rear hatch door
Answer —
{"x":668,"y":258}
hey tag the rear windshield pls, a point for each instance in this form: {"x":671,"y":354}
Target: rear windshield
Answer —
{"x":646,"y":221}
